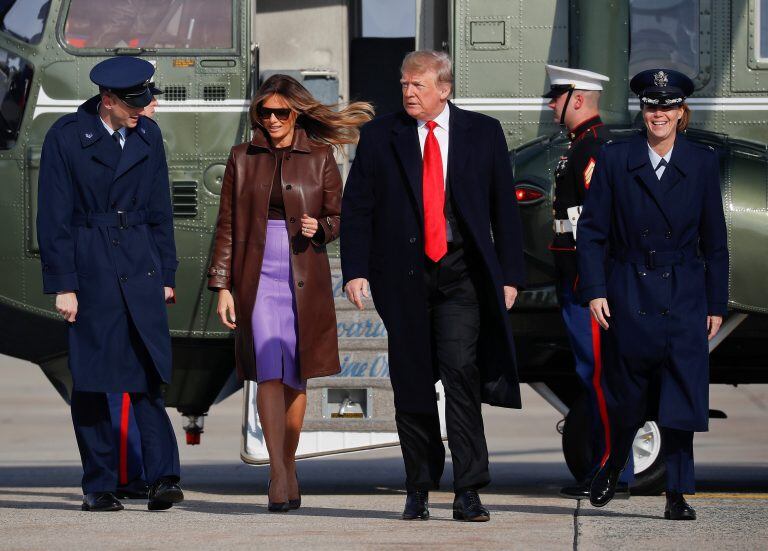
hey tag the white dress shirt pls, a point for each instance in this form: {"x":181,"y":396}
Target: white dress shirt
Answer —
{"x":441,"y":134}
{"x":656,"y":164}
{"x":110,"y":132}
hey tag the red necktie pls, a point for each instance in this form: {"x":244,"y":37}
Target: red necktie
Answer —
{"x":433,"y":191}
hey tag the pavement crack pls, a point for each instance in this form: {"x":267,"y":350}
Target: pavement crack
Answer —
{"x":576,"y":525}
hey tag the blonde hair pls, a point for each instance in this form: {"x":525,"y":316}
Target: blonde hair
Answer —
{"x":682,"y":122}
{"x":321,"y":122}
{"x":421,"y":61}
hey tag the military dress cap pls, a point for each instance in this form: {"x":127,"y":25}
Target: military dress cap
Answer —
{"x":661,"y":87}
{"x":129,"y":78}
{"x":562,"y":79}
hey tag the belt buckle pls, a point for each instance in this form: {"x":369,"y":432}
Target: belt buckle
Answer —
{"x":122,"y":219}
{"x":650,"y":260}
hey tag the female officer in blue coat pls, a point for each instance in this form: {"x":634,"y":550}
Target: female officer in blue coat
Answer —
{"x":107,"y":249}
{"x":653,"y":266}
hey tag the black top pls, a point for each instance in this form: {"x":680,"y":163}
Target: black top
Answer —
{"x":276,"y":205}
{"x":574,"y":173}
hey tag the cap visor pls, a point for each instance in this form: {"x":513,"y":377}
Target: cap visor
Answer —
{"x":141,"y":100}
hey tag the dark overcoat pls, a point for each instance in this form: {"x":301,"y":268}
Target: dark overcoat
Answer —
{"x":117,"y":264}
{"x":657,"y":250}
{"x":311,"y":184}
{"x":382,"y":240}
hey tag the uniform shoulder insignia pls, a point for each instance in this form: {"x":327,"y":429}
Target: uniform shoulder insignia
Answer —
{"x":588,"y":171}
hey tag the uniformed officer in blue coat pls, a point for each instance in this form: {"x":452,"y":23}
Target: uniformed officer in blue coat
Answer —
{"x":653,"y":266}
{"x":107,"y":248}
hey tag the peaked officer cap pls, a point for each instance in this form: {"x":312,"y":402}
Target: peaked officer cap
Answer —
{"x":126,"y":77}
{"x":562,"y":79}
{"x":661,"y":87}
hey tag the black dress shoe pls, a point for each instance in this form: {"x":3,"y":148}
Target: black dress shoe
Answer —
{"x":416,"y":505}
{"x":581,"y":491}
{"x":677,"y":508}
{"x":101,"y":501}
{"x":603,"y":487}
{"x":133,"y":490}
{"x":467,"y":506}
{"x":163,"y":494}
{"x":278,"y":506}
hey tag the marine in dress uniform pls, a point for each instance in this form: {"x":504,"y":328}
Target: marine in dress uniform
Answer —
{"x":130,"y":466}
{"x":653,"y":264}
{"x":107,"y":249}
{"x":574,"y":96}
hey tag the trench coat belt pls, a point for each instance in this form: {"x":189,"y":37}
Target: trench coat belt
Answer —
{"x":119,"y":219}
{"x":652,"y":259}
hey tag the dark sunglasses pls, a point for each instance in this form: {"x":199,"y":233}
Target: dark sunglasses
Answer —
{"x":265,"y":113}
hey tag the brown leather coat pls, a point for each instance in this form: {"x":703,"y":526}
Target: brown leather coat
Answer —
{"x":312,"y":185}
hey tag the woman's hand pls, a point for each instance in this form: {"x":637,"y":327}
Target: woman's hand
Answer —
{"x":66,"y":305}
{"x":226,"y":308}
{"x":713,"y":326}
{"x":600,"y":311}
{"x":308,"y":226}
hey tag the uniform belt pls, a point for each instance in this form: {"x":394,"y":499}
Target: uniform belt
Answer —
{"x":120,"y":219}
{"x":654,"y":259}
{"x":562,"y":226}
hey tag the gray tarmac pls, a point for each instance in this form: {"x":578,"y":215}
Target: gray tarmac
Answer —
{"x":353,"y":501}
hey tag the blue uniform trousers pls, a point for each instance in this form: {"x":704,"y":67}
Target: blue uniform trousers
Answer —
{"x":584,"y":337}
{"x":96,"y":442}
{"x":130,"y":469}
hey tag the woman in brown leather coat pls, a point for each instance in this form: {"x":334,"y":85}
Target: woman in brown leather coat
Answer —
{"x":280,"y":206}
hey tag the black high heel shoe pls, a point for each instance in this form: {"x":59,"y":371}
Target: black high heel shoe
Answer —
{"x":276,"y":506}
{"x":295,"y":503}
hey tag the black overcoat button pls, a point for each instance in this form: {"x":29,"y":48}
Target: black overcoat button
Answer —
{"x":292,"y":220}
{"x":301,"y":284}
{"x":665,"y":275}
{"x":288,"y":187}
{"x":123,"y":278}
{"x":644,"y":233}
{"x":115,"y":242}
{"x":412,"y":240}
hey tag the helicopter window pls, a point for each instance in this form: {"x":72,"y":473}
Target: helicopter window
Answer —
{"x":664,"y":33}
{"x":24,"y":19}
{"x":173,"y":24}
{"x":15,"y":81}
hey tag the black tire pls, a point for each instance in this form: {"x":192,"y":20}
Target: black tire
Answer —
{"x":577,"y":449}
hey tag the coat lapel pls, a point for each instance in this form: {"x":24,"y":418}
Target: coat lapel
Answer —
{"x":136,"y":149}
{"x":639,"y":163}
{"x":93,"y":135}
{"x":459,"y":140}
{"x":406,"y":144}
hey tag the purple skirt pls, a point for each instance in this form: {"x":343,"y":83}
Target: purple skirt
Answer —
{"x":274,"y":313}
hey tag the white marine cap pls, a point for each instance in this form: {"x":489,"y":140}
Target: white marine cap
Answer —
{"x":562,"y":79}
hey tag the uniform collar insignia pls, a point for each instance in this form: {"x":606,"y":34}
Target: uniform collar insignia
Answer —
{"x":89,"y":135}
{"x":660,"y":79}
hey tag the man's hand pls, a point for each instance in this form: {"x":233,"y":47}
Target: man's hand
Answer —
{"x":308,"y":226}
{"x":510,"y":295}
{"x":226,"y":307}
{"x":600,"y":311}
{"x":713,"y":326}
{"x":170,"y":295}
{"x":356,"y":289}
{"x":66,"y":305}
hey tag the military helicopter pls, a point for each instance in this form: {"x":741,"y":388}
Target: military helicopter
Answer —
{"x":211,"y":54}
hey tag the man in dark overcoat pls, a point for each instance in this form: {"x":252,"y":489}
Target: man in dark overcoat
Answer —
{"x":430,"y":219}
{"x":107,"y":249}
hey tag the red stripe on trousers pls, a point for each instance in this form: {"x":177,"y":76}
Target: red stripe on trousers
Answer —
{"x":124,"y":419}
{"x":596,"y":383}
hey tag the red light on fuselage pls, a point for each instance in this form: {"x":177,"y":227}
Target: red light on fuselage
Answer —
{"x":528,"y":195}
